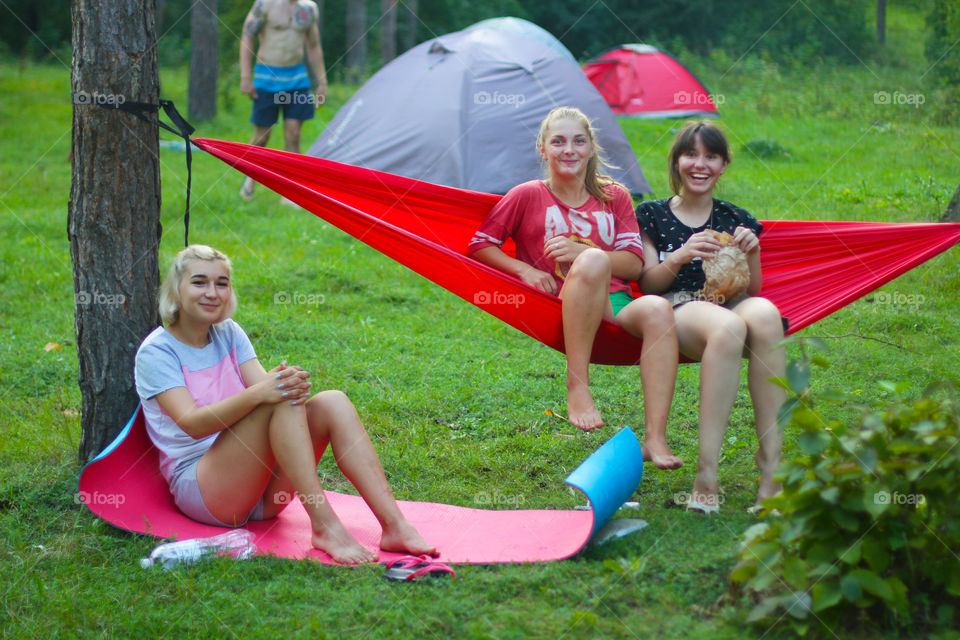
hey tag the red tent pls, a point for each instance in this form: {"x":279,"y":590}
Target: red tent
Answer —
{"x":642,"y":81}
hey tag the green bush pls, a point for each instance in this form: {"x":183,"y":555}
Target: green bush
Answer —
{"x":868,"y":523}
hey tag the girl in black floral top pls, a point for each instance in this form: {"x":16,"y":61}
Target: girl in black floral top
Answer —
{"x":675,"y":240}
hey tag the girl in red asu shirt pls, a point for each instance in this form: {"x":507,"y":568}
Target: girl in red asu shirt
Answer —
{"x":577,"y":237}
{"x":676,"y":238}
{"x":238,"y":442}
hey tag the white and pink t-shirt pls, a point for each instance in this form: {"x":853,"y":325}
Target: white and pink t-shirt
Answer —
{"x":210,"y":374}
{"x":531,"y":214}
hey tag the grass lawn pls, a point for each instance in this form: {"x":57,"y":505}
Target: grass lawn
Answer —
{"x":454,"y":400}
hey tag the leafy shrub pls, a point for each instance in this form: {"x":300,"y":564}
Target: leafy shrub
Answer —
{"x":869,"y":521}
{"x":765,"y":149}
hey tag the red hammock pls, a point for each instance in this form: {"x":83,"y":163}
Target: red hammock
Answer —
{"x":810,"y":269}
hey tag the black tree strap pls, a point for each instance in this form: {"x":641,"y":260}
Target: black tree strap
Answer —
{"x":183,"y":130}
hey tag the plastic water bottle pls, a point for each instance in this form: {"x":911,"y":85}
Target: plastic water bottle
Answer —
{"x":237,"y":543}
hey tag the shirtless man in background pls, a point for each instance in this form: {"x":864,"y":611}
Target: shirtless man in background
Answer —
{"x":280,"y":79}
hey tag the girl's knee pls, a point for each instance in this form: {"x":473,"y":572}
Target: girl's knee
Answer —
{"x":729,"y":329}
{"x":654,"y":313}
{"x":329,"y":398}
{"x":659,"y":309}
{"x":330,"y":404}
{"x":592,"y":264}
{"x":763,"y":321}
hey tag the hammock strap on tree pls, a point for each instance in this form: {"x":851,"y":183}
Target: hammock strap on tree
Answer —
{"x":183,"y":130}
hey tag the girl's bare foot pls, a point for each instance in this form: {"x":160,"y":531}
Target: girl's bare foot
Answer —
{"x":705,"y":495}
{"x":768,"y":468}
{"x":341,"y":545}
{"x":657,"y":452}
{"x":403,"y":538}
{"x":581,"y":410}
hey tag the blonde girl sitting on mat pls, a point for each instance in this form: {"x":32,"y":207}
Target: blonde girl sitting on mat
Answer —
{"x":236,"y":440}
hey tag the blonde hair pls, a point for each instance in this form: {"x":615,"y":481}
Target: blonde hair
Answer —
{"x":595,"y":182}
{"x":169,"y":300}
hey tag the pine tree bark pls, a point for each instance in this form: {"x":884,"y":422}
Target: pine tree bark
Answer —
{"x":113,"y":222}
{"x":204,"y":60}
{"x":356,"y":40}
{"x":388,"y":30}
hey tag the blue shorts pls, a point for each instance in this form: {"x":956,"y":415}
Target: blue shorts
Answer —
{"x":297,"y":105}
{"x":186,"y":495}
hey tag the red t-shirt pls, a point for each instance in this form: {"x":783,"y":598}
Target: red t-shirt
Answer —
{"x":531,"y":214}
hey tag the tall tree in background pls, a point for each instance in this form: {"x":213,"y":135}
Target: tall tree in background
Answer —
{"x":356,"y":39}
{"x":388,"y":30}
{"x":407,"y":24}
{"x":113,"y":220}
{"x":943,"y":54}
{"x":881,"y":21}
{"x":952,"y":214}
{"x":204,"y":60}
{"x":314,"y":79}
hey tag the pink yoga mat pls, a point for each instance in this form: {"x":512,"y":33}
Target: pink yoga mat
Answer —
{"x":124,"y":487}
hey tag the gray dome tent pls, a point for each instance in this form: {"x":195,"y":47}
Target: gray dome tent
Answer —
{"x":463,"y":110}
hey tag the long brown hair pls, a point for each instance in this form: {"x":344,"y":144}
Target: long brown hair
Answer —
{"x":595,"y":182}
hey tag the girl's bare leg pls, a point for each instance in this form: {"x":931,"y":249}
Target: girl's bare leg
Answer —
{"x":585,"y":301}
{"x":765,"y":360}
{"x":270,"y":454}
{"x":715,"y":336}
{"x":332,"y":415}
{"x":651,"y":319}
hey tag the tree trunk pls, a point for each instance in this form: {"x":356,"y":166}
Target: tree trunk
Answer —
{"x":356,"y":40}
{"x":204,"y":62}
{"x":881,"y":21}
{"x":952,"y":214}
{"x":407,"y":25}
{"x":113,"y":222}
{"x":388,"y":30}
{"x":314,"y":80}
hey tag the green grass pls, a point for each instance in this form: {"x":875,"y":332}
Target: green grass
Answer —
{"x":453,"y":399}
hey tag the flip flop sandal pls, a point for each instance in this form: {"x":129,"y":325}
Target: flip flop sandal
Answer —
{"x":695,"y":506}
{"x":414,"y":568}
